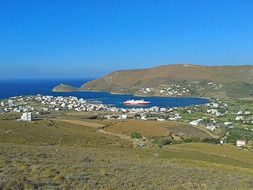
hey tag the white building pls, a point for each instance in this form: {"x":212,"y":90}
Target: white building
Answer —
{"x":26,"y":117}
{"x":143,"y":118}
{"x":241,"y":143}
{"x":162,"y":109}
{"x":247,"y":112}
{"x":228,"y":123}
{"x":189,"y":111}
{"x":122,"y":117}
{"x":195,"y":122}
{"x":107,"y":117}
{"x":239,"y":118}
{"x":211,"y":127}
{"x":239,"y":112}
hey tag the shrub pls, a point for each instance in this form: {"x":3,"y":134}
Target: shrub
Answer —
{"x":162,"y":142}
{"x":237,"y":133}
{"x":188,"y":140}
{"x":136,"y":135}
{"x":211,"y":140}
{"x":192,"y":139}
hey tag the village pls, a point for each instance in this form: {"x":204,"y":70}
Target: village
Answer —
{"x":170,"y":90}
{"x":216,"y":116}
{"x":180,"y":89}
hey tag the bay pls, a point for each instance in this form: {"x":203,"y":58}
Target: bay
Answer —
{"x":10,"y":88}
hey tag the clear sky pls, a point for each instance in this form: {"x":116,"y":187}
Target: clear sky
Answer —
{"x":89,"y":38}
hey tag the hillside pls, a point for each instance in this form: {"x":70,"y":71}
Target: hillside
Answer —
{"x":179,"y":80}
{"x":64,"y":88}
{"x":55,"y":152}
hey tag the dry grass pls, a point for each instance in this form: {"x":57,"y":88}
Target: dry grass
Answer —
{"x":227,"y":151}
{"x":153,"y":129}
{"x":61,"y":155}
{"x":146,"y":128}
{"x":48,"y":132}
{"x":84,"y":123}
{"x":54,"y":167}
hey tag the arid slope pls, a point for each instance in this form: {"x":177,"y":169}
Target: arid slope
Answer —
{"x":233,"y":81}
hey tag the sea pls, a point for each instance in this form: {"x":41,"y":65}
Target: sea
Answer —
{"x":11,"y":88}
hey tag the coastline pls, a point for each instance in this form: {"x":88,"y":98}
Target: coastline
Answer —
{"x":110,"y":98}
{"x":138,"y":95}
{"x":154,"y":102}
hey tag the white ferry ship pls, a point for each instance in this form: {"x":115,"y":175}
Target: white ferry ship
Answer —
{"x":136,"y":102}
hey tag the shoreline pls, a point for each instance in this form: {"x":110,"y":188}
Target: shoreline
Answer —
{"x":136,"y":95}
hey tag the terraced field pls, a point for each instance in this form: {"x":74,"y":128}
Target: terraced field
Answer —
{"x":153,"y":129}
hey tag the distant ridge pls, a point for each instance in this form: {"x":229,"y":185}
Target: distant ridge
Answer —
{"x":204,"y":81}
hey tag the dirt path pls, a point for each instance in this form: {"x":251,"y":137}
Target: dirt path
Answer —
{"x":115,"y":134}
{"x":209,"y":133}
{"x":100,"y":129}
{"x":82,"y":123}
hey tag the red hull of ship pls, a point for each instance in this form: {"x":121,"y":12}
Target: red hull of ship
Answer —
{"x":137,"y":104}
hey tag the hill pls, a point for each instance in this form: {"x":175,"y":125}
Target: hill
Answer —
{"x":179,"y":80}
{"x":53,"y":154}
{"x":64,"y":88}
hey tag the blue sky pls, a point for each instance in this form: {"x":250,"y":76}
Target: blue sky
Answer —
{"x":89,"y":38}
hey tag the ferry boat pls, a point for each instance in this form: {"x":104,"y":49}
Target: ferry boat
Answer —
{"x":136,"y":102}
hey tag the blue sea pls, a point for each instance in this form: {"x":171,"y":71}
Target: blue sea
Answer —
{"x":10,"y":88}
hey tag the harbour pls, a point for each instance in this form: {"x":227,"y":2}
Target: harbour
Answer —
{"x":11,"y":88}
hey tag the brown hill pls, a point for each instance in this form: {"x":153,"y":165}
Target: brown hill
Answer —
{"x":64,"y":88}
{"x":206,"y":81}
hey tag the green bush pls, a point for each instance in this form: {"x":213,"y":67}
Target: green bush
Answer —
{"x":189,"y":140}
{"x":136,"y":135}
{"x":162,"y":142}
{"x":192,"y":139}
{"x":238,"y":133}
{"x":211,"y":140}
